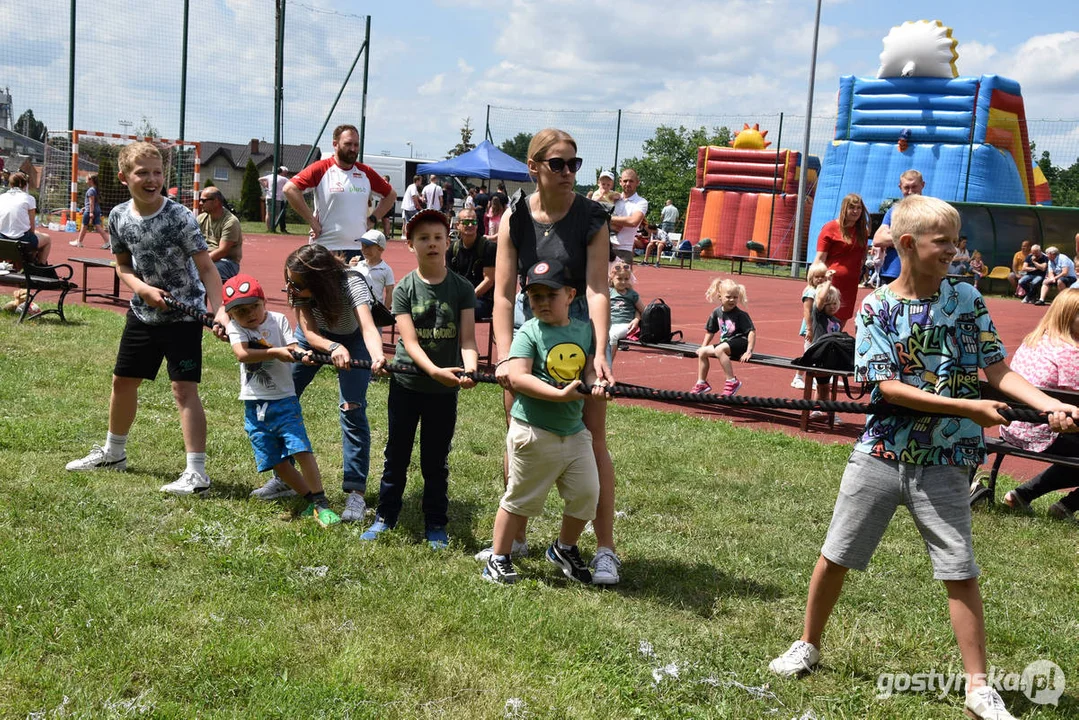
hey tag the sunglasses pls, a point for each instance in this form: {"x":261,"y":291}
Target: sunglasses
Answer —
{"x":467,"y":223}
{"x":557,"y":164}
{"x":295,"y":286}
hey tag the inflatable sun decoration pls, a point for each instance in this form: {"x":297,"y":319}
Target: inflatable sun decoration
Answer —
{"x":750,"y":138}
{"x":919,"y":49}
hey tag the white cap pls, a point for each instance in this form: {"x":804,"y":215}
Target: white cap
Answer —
{"x":607,"y":174}
{"x":374,"y":237}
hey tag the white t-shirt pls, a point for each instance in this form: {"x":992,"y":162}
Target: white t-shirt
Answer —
{"x":432,"y":193}
{"x":15,"y":207}
{"x":410,"y":201}
{"x":380,"y":277}
{"x":669,"y":213}
{"x":341,"y":198}
{"x":271,"y":380}
{"x":624,"y":208}
{"x":281,"y":182}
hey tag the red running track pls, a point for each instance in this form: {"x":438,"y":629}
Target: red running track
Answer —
{"x":773,"y":304}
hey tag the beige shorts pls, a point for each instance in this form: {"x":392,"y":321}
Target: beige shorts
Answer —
{"x":539,"y":459}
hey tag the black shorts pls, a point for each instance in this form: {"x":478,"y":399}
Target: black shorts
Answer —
{"x":738,"y":346}
{"x":142,"y":347}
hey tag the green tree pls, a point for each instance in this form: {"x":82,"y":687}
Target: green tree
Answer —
{"x":668,"y":166}
{"x":517,"y":146}
{"x":250,"y":193}
{"x":146,"y":128}
{"x":31,"y":127}
{"x":1063,"y":183}
{"x":466,"y":143}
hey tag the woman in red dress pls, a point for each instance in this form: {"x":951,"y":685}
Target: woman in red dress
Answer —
{"x":842,"y":247}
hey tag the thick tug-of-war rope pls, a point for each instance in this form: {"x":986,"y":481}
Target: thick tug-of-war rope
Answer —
{"x":637,"y":392}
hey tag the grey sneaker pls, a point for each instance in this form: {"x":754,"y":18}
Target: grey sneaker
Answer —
{"x":799,"y":659}
{"x":605,"y":566}
{"x":97,"y":460}
{"x":188,"y":483}
{"x":519,"y":550}
{"x":355,"y":508}
{"x":1060,"y":512}
{"x":274,"y":488}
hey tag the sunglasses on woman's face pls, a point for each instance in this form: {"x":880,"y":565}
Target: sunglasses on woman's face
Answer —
{"x":295,"y":286}
{"x":558,"y":164}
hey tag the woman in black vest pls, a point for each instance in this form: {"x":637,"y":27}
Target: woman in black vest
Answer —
{"x":555,"y":223}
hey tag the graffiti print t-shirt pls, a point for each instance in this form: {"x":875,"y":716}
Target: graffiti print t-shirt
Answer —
{"x":161,"y":246}
{"x":270,"y":380}
{"x":436,"y":314}
{"x":559,"y":356}
{"x":728,"y":325}
{"x":936,"y":345}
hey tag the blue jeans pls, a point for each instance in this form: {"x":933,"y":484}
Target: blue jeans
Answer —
{"x":352,"y":384}
{"x":436,"y":414}
{"x":227,"y":268}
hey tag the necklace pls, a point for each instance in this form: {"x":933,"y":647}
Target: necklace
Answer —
{"x":546,"y":227}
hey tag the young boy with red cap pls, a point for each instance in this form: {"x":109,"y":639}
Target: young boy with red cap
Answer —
{"x":263,"y":342}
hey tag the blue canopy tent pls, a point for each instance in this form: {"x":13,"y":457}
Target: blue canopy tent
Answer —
{"x":483,"y":161}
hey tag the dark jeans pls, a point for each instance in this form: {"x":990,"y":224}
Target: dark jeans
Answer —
{"x":1056,"y":477}
{"x":1032,"y":283}
{"x":436,"y":413}
{"x":484,"y":307}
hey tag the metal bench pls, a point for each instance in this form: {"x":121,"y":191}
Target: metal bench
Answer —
{"x":34,"y":278}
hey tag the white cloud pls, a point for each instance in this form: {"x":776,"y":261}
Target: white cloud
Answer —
{"x":432,"y":86}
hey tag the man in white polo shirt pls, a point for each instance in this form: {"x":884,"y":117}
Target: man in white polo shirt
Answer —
{"x":342,"y":190}
{"x":628,"y":214}
{"x":432,"y":195}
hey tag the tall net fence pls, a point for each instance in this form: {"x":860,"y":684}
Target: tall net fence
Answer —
{"x":128,"y":77}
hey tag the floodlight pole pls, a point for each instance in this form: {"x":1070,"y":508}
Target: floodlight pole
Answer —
{"x":183,"y":75}
{"x":366,"y":65}
{"x":71,"y":74}
{"x":799,"y":219}
{"x":278,"y":98}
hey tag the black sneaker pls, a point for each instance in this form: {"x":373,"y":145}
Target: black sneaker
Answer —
{"x":569,"y":559}
{"x":499,"y":569}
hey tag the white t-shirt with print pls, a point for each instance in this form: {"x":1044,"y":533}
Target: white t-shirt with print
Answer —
{"x":341,"y":198}
{"x":270,"y":380}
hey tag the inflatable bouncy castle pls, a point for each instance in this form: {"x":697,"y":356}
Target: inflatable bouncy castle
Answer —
{"x":966,"y":135}
{"x":746,"y":197}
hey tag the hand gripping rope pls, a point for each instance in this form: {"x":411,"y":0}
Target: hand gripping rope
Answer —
{"x":638,"y":392}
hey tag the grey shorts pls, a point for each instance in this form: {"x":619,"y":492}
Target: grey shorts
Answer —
{"x":937,"y":497}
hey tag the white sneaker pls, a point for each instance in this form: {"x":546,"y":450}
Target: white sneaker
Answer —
{"x":518,"y":551}
{"x":605,"y":566}
{"x":274,"y":488}
{"x":984,"y":703}
{"x":798,"y":383}
{"x":801,"y":658}
{"x":355,"y":507}
{"x":188,"y":483}
{"x":97,"y":460}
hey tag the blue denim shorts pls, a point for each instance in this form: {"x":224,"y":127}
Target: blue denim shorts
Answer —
{"x":276,"y":430}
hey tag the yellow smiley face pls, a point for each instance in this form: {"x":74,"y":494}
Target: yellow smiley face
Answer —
{"x":565,"y":362}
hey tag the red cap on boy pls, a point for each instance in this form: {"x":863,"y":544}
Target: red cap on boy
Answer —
{"x":241,"y":290}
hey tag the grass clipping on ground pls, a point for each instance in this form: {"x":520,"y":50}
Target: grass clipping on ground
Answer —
{"x":118,"y":601}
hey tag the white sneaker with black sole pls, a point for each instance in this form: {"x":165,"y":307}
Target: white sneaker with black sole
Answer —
{"x":274,"y":489}
{"x":97,"y":460}
{"x":499,"y":569}
{"x":799,"y":659}
{"x":189,"y":483}
{"x":569,"y":560}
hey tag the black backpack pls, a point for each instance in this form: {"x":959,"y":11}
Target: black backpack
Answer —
{"x":833,"y":351}
{"x":656,"y":323}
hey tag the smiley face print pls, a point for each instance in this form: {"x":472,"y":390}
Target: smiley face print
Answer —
{"x":565,"y":362}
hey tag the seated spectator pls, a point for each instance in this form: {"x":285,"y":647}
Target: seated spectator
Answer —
{"x":1035,"y":265}
{"x":1017,"y":265}
{"x":658,"y":242}
{"x":1060,"y":273}
{"x":977,"y":267}
{"x":472,"y":256}
{"x":18,"y":214}
{"x":222,"y":232}
{"x":1049,"y":359}
{"x":961,"y":262}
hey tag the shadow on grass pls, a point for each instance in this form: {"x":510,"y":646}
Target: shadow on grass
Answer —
{"x":688,"y":586}
{"x":462,"y":515}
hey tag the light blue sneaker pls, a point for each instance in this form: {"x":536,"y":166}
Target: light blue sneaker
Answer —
{"x":376,"y":529}
{"x":437,"y":537}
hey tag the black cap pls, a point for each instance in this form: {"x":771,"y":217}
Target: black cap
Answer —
{"x":546,"y":272}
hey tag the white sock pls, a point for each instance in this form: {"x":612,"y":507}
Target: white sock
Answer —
{"x":114,"y":446}
{"x":563,"y":546}
{"x":196,"y":462}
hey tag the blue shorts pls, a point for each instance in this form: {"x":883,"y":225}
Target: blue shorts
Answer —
{"x":278,"y":434}
{"x":89,"y":221}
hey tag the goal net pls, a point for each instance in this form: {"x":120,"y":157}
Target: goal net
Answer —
{"x":72,"y":157}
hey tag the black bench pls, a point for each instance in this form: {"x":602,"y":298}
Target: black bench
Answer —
{"x":831,"y":378}
{"x":998,"y":449}
{"x":34,"y":278}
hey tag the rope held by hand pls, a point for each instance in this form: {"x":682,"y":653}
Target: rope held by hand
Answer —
{"x":636,"y":392}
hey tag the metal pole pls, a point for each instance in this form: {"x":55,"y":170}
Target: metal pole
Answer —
{"x":278,"y":99}
{"x":487,"y":125}
{"x":775,"y":176}
{"x":617,"y":136}
{"x":71,"y":73}
{"x":314,"y":145}
{"x":183,"y":75}
{"x":366,"y":65}
{"x":799,"y":218}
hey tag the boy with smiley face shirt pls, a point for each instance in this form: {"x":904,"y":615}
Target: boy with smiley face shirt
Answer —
{"x":547,"y":442}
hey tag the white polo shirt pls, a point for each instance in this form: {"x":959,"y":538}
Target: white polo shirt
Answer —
{"x":432,"y":193}
{"x":341,"y":200}
{"x":625,"y":208}
{"x":15,"y":207}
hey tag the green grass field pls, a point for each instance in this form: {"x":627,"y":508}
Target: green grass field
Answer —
{"x":118,"y":601}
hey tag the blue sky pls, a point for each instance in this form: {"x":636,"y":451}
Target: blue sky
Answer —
{"x":435,"y":63}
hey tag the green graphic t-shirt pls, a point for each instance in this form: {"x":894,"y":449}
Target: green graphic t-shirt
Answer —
{"x":436,"y":313}
{"x":559,"y":355}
